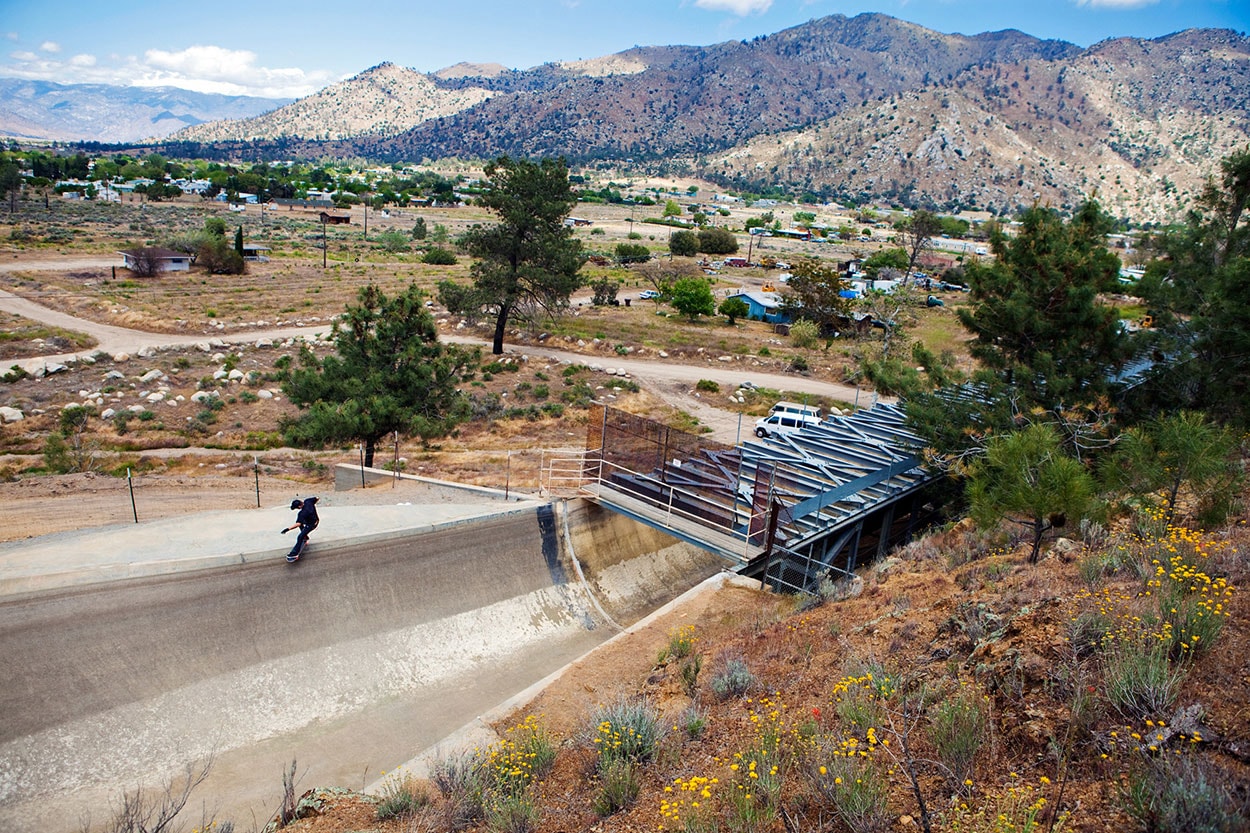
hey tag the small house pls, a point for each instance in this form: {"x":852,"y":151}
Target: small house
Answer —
{"x":329,"y":219}
{"x":153,"y":259}
{"x":255,"y":253}
{"x":763,"y":306}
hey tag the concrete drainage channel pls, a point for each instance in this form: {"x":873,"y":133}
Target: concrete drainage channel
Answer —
{"x":351,"y":663}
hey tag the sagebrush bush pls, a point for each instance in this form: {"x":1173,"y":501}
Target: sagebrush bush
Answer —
{"x":733,"y":679}
{"x":627,"y":730}
{"x":1183,"y":795}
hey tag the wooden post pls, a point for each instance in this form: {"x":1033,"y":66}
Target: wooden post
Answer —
{"x":130,"y":482}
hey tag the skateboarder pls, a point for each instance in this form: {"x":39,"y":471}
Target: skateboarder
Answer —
{"x":307,"y":521}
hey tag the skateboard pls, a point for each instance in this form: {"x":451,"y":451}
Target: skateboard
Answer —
{"x":291,"y":559}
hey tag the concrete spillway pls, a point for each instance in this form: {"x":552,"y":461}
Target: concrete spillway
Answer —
{"x":350,"y":662}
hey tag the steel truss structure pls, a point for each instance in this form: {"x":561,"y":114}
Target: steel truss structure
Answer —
{"x":793,"y":511}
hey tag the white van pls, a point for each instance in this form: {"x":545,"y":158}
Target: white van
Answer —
{"x":778,"y":425}
{"x":796,"y":408}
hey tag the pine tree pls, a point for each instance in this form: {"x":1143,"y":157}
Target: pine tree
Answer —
{"x":529,"y":261}
{"x":1035,"y":314}
{"x":389,"y":373}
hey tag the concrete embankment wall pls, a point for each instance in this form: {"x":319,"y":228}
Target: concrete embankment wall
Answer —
{"x":354,"y":660}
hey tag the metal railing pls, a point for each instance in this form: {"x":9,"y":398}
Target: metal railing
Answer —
{"x":563,"y":471}
{"x":673,"y":504}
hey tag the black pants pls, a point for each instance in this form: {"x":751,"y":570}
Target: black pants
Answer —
{"x":300,"y":541}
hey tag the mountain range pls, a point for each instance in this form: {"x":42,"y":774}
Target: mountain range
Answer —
{"x":858,"y":108}
{"x":104,"y":113}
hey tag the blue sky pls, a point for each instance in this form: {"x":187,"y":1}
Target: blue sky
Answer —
{"x":290,"y":49}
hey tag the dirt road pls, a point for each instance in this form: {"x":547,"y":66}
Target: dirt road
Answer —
{"x":674,"y":381}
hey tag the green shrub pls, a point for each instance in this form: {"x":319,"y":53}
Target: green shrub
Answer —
{"x":1175,"y":795}
{"x":957,"y":730}
{"x":855,"y":787}
{"x":626,"y":730}
{"x":400,"y":797}
{"x":618,"y":787}
{"x":692,"y":720}
{"x":1139,"y":678}
{"x":512,"y":813}
{"x":439,"y":257}
{"x":804,"y":334}
{"x":707,"y":386}
{"x":681,"y":642}
{"x":734,"y":679}
{"x":690,"y":674}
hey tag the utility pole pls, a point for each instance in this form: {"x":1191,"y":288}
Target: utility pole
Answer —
{"x":323,"y":241}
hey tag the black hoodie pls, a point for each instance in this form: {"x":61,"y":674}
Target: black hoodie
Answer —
{"x":308,"y":513}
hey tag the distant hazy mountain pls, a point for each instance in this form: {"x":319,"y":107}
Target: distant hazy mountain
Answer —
{"x":103,"y":113}
{"x":862,"y":107}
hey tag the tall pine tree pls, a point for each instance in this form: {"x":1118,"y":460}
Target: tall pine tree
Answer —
{"x":529,"y":261}
{"x":1035,"y":316}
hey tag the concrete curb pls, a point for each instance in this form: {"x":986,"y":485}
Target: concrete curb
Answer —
{"x":12,"y":588}
{"x":478,"y":734}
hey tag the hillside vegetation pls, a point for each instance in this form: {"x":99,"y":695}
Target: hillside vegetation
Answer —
{"x":950,"y":687}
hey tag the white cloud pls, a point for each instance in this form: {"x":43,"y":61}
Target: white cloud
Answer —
{"x":1116,"y":4}
{"x":50,"y":46}
{"x":11,"y":35}
{"x":205,"y":69}
{"x":213,"y":69}
{"x":742,"y":8}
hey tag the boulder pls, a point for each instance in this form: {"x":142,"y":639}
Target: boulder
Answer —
{"x":146,"y":352}
{"x":204,"y":347}
{"x":108,"y":413}
{"x":264,"y":394}
{"x":236,"y":375}
{"x":264,"y":343}
{"x":114,"y":374}
{"x":121,"y":358}
{"x":152,"y":376}
{"x":8,"y":415}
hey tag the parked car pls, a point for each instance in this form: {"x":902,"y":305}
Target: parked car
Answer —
{"x":778,"y":425}
{"x":647,"y":294}
{"x":796,"y":408}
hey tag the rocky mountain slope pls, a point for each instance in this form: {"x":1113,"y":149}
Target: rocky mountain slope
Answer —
{"x":850,"y":108}
{"x":103,"y":113}
{"x":383,"y":100}
{"x":1110,"y":121}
